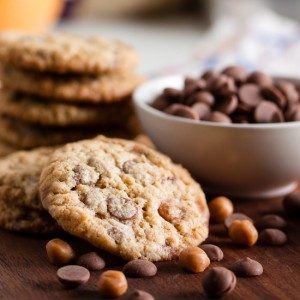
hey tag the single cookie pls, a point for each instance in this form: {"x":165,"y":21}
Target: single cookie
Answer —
{"x":27,"y":136}
{"x":66,"y":53}
{"x":20,"y":206}
{"x":6,"y":149}
{"x":19,"y":177}
{"x":125,"y":198}
{"x":23,"y":219}
{"x":103,"y":88}
{"x":35,"y":110}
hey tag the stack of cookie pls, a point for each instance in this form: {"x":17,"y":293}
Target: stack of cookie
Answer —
{"x":59,"y":88}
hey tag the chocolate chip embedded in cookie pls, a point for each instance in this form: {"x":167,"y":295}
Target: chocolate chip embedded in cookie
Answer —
{"x":102,"y":88}
{"x":66,"y":53}
{"x":150,"y":209}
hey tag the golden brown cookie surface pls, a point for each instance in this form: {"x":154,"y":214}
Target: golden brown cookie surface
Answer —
{"x":125,"y":198}
{"x":67,"y":53}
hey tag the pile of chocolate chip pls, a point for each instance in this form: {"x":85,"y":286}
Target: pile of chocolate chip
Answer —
{"x":232,"y":96}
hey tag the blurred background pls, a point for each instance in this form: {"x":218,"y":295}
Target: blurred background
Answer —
{"x":175,"y":36}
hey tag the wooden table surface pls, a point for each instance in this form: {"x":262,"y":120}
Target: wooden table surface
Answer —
{"x":26,"y":274}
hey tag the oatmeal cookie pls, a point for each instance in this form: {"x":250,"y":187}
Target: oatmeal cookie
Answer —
{"x":125,"y":198}
{"x":103,"y":88}
{"x":27,"y":136}
{"x":35,"y":110}
{"x":20,"y":205}
{"x":67,"y":53}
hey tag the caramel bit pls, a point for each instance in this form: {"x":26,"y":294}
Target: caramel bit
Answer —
{"x":171,"y":212}
{"x":122,"y":208}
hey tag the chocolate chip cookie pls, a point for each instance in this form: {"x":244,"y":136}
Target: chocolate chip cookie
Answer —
{"x":67,"y":53}
{"x":20,"y":205}
{"x":35,"y":110}
{"x":105,"y":87}
{"x":24,"y":135}
{"x":125,"y":198}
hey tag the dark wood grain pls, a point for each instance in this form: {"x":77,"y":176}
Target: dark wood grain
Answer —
{"x":26,"y":274}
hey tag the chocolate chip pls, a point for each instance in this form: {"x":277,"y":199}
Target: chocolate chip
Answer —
{"x":122,"y":208}
{"x":140,"y":295}
{"x":268,"y":112}
{"x":72,"y":275}
{"x":91,"y":261}
{"x":202,"y":110}
{"x":219,"y":117}
{"x":227,"y":105}
{"x":221,"y":85}
{"x":140,"y":268}
{"x":249,"y":95}
{"x":291,"y":203}
{"x":289,"y":90}
{"x":235,"y":216}
{"x":247,"y":267}
{"x":273,"y":94}
{"x":213,"y":252}
{"x":160,"y":103}
{"x":202,"y":97}
{"x":208,"y":75}
{"x":218,"y":282}
{"x":236,"y":72}
{"x":181,"y":111}
{"x":172,"y":94}
{"x":270,"y":221}
{"x":260,"y":79}
{"x":193,"y":85}
{"x":272,"y":237}
{"x":293,"y":114}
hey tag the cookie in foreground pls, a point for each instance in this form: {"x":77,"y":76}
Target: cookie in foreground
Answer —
{"x":125,"y":198}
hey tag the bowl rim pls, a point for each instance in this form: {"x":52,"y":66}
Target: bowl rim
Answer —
{"x":141,"y":101}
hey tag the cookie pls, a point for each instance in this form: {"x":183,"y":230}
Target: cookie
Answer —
{"x":27,"y":136}
{"x":67,"y":53}
{"x":19,"y":177}
{"x":106,"y":87}
{"x":20,"y":206}
{"x":22,"y":219}
{"x":6,"y":149}
{"x":35,"y":110}
{"x":125,"y":198}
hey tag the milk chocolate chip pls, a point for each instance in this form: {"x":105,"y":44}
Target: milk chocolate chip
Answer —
{"x":91,"y":261}
{"x":140,"y":295}
{"x":271,"y":221}
{"x":213,"y":252}
{"x":218,"y":282}
{"x":247,"y":267}
{"x":73,"y":276}
{"x":140,"y":268}
{"x":236,"y":72}
{"x":272,"y":237}
{"x":122,"y":208}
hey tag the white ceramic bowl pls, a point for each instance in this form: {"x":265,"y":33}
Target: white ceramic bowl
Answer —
{"x":243,"y":160}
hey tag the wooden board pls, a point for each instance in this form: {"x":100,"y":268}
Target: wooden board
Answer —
{"x":26,"y":274}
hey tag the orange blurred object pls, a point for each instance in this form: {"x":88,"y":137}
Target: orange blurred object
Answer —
{"x":29,"y":15}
